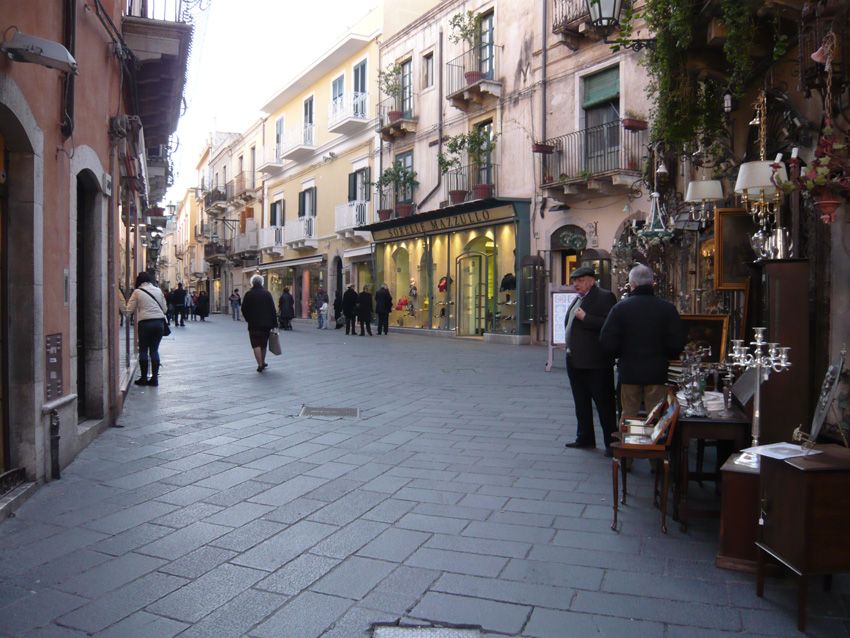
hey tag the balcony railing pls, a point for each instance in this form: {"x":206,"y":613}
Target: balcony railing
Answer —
{"x":350,"y":215}
{"x":592,"y":152}
{"x":214,"y":251}
{"x":299,"y":142}
{"x":272,"y":162}
{"x":241,"y":184}
{"x":247,"y":241}
{"x":271,"y":238}
{"x":566,"y":13}
{"x":393,"y":108}
{"x":167,"y":10}
{"x":475,"y":181}
{"x":471,"y":68}
{"x":200,"y":233}
{"x":303,"y":229}
{"x":214,"y":197}
{"x":346,"y":106}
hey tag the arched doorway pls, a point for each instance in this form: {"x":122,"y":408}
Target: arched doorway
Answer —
{"x":337,"y":283}
{"x":87,"y":299}
{"x":475,"y":273}
{"x":567,"y":243}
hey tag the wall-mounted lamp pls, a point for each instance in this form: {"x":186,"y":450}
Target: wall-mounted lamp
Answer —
{"x":605,"y":18}
{"x":727,"y":102}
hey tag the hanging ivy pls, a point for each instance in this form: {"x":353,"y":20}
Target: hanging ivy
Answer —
{"x":740,"y":31}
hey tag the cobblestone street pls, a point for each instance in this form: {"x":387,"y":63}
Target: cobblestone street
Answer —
{"x":216,"y":510}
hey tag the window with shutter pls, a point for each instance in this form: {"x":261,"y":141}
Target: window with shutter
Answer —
{"x":352,"y":186}
{"x":312,"y":207}
{"x":302,"y":198}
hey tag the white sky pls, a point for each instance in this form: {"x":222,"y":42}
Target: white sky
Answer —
{"x":243,"y":51}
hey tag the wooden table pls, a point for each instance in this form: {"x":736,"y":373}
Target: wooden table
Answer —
{"x":734,"y":428}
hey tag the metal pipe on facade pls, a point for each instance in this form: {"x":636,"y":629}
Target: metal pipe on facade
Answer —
{"x":544,"y":59}
{"x":54,"y":445}
{"x":439,"y":116}
{"x":112,"y":400}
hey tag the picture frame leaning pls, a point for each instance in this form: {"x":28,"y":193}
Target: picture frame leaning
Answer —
{"x":733,"y":228}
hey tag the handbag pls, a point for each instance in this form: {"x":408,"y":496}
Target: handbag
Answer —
{"x":274,"y":342}
{"x":166,"y":329}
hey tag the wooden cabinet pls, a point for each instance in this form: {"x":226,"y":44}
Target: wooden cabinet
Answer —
{"x":738,"y":517}
{"x":778,"y":300}
{"x":805,"y":512}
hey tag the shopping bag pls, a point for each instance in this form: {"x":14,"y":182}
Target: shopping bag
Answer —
{"x":274,"y":342}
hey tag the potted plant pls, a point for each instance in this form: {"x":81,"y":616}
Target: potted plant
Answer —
{"x":398,"y":180}
{"x":826,"y":178}
{"x":635,"y":121}
{"x":451,"y":161}
{"x":466,"y":27}
{"x":390,"y":82}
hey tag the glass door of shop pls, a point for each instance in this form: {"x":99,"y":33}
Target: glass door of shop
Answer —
{"x":472,"y":294}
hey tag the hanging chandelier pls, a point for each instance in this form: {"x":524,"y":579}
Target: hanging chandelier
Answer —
{"x":655,"y":227}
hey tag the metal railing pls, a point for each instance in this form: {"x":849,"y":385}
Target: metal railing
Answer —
{"x":566,"y":12}
{"x":594,"y":151}
{"x":214,"y":196}
{"x":273,"y":155}
{"x":240,"y":184}
{"x":167,"y":10}
{"x":350,"y":215}
{"x":471,"y":67}
{"x":348,"y":105}
{"x":200,"y":234}
{"x":475,"y":181}
{"x":271,"y":237}
{"x":393,"y":108}
{"x":214,"y":250}
{"x":245,"y":242}
{"x":304,"y":135}
{"x":303,"y":228}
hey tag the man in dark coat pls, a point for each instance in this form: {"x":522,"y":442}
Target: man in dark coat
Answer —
{"x":589,"y":367}
{"x":364,"y":311}
{"x":349,"y":309}
{"x":178,"y":298}
{"x":259,"y":311}
{"x":383,"y":307}
{"x":286,"y":305}
{"x":643,"y":332}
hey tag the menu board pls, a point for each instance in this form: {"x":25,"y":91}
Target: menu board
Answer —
{"x":560,"y":305}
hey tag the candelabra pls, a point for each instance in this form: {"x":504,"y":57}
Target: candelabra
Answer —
{"x":693,"y":379}
{"x":764,"y":359}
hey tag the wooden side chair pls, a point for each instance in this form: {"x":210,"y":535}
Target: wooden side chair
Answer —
{"x":651,"y":439}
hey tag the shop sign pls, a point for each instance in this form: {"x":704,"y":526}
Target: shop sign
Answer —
{"x":444,"y":224}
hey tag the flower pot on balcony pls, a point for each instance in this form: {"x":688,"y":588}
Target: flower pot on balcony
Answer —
{"x":473,"y":77}
{"x":394,"y":116}
{"x":482,"y":191}
{"x":544,"y":149}
{"x":827,"y":204}
{"x":633,"y":124}
{"x":384,"y":214}
{"x":457,"y":196}
{"x":404,"y":210}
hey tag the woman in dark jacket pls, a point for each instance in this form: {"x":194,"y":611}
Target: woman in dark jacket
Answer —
{"x":286,"y":307}
{"x":258,"y":310}
{"x":383,"y":307}
{"x":364,"y":310}
{"x":203,"y":305}
{"x":349,"y":308}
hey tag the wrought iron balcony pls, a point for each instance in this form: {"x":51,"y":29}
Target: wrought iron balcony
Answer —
{"x":215,"y":253}
{"x":241,"y":186}
{"x":348,"y":114}
{"x":472,"y":77}
{"x":472,"y":182}
{"x":397,"y":116}
{"x":601,"y":158}
{"x":301,"y":235}
{"x":348,"y":217}
{"x":392,"y":205}
{"x":569,"y":20}
{"x":271,"y":239}
{"x":300,"y":142}
{"x":215,"y":201}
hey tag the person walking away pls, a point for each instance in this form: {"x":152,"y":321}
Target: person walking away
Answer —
{"x":383,"y":307}
{"x":203,"y":305}
{"x":589,"y":367}
{"x":148,"y":304}
{"x":349,"y":309}
{"x":258,"y":310}
{"x":169,"y":313}
{"x":286,"y":305}
{"x":193,"y":306}
{"x":323,"y":315}
{"x":321,"y":298}
{"x":235,"y":303}
{"x":643,"y":332}
{"x":364,"y":311}
{"x":179,"y":301}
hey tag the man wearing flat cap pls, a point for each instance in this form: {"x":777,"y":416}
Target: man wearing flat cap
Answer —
{"x":589,"y":367}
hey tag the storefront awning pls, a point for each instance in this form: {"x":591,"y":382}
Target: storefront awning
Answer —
{"x":363,"y":251}
{"x":287,"y":264}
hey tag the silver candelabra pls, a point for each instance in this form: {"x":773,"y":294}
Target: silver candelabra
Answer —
{"x":764,"y":359}
{"x":693,"y":380}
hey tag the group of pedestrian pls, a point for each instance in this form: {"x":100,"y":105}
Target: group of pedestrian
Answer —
{"x":183,"y":305}
{"x":642,"y":332}
{"x":358,"y":308}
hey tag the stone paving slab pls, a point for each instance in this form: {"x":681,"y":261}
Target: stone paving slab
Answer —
{"x":217,"y":511}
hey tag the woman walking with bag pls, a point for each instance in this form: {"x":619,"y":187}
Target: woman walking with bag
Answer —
{"x":148,"y":304}
{"x":259,"y":311}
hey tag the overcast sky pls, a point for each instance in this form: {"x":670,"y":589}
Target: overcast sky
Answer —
{"x":243,"y":51}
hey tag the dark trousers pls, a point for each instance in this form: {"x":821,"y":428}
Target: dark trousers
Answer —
{"x":383,"y":321}
{"x":368,"y":325}
{"x":150,"y":334}
{"x":595,"y":385}
{"x":179,"y":314}
{"x":350,"y":324}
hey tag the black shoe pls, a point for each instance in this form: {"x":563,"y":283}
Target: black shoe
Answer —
{"x":579,"y":444}
{"x":265,"y":365}
{"x":141,"y":381}
{"x":259,"y":368}
{"x":609,"y":453}
{"x":154,"y":381}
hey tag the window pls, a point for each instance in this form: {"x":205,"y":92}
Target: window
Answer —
{"x":427,"y":70}
{"x":486,"y":51}
{"x":307,"y":202}
{"x":308,"y":121}
{"x":485,"y":168}
{"x":276,"y":213}
{"x":278,"y":138}
{"x":360,"y":89}
{"x":405,"y":195}
{"x":337,"y":98}
{"x":601,"y":104}
{"x":359,"y":185}
{"x":407,"y":89}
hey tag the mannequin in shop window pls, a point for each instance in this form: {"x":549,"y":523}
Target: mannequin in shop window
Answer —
{"x":412,"y":294}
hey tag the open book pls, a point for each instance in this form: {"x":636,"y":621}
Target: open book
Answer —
{"x":651,"y":435}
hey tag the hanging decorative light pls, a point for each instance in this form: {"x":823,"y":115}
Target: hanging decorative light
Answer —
{"x":703,"y":191}
{"x":656,"y":222}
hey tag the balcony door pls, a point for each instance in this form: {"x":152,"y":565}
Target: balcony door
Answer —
{"x":486,"y":52}
{"x":601,"y":103}
{"x":338,"y":97}
{"x":308,"y":121}
{"x":485,"y":168}
{"x":360,"y":89}
{"x":407,"y":89}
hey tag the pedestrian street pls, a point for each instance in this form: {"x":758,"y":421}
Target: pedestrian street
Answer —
{"x":443,"y":495}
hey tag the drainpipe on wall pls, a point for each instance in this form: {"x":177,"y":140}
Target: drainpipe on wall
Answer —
{"x":439,"y":115}
{"x":544,"y":33}
{"x":112,"y":408}
{"x":69,"y":38}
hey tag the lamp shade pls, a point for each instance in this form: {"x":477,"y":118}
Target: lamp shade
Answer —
{"x":604,"y":13}
{"x":753,"y":177}
{"x":704,"y":189}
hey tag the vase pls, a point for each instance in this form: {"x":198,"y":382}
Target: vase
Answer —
{"x":827,"y":204}
{"x":394,"y":116}
{"x":634,"y":124}
{"x":404,"y":210}
{"x":473,"y":77}
{"x":457,"y":196}
{"x":384,"y":214}
{"x":482,"y":191}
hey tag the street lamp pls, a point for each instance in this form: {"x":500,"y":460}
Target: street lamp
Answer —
{"x":605,"y":18}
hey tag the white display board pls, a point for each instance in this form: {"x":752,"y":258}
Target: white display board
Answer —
{"x":559,"y":305}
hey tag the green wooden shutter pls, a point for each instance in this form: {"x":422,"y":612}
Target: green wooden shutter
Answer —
{"x":601,"y":87}
{"x":352,"y":187}
{"x":367,"y":178}
{"x":315,"y":206}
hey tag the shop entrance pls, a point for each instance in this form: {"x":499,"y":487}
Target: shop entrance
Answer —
{"x":472,"y":278}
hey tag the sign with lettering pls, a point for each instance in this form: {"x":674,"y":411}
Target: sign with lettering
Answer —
{"x":53,"y":370}
{"x":416,"y":228}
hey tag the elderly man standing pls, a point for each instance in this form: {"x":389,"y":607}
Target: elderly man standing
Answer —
{"x":643,"y":332}
{"x":589,"y":367}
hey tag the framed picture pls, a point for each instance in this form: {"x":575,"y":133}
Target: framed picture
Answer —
{"x":707,"y":330}
{"x":733,"y":228}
